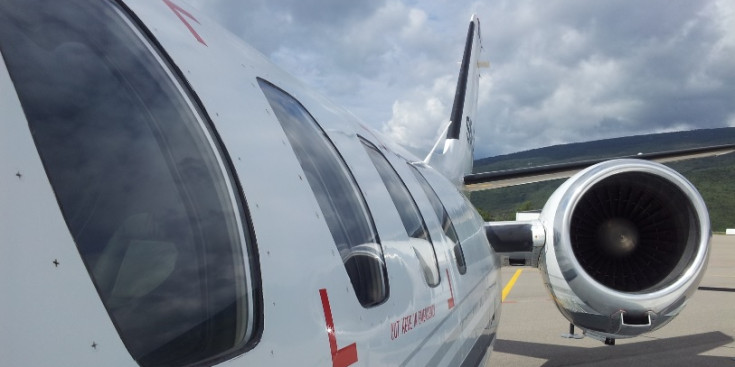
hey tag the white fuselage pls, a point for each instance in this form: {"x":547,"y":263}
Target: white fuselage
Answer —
{"x":51,"y":312}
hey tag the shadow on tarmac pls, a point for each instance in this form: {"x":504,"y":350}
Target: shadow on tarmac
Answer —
{"x":677,"y":351}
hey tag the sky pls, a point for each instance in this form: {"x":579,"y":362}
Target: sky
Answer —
{"x":560,"y":71}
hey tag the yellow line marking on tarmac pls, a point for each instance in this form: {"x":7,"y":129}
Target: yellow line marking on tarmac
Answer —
{"x":510,"y":284}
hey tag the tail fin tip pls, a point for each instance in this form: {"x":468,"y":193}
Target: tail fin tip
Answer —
{"x":456,"y":158}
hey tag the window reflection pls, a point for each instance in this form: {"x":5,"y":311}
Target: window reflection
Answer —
{"x":141,"y":186}
{"x":338,"y":195}
{"x":444,"y":219}
{"x":408,"y":212}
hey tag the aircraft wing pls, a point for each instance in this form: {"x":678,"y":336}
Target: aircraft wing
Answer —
{"x":520,"y":176}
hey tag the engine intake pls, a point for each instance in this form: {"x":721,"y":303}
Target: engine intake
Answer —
{"x":626,"y":245}
{"x":630,"y":231}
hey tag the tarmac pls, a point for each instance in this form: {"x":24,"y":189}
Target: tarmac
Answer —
{"x":703,"y":334}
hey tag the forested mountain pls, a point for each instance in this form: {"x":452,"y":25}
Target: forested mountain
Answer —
{"x":616,"y":147}
{"x":712,"y":176}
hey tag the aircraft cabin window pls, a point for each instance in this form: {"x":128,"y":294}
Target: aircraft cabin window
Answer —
{"x":444,"y":219}
{"x":409,"y":213}
{"x":140,"y":178}
{"x":338,"y":195}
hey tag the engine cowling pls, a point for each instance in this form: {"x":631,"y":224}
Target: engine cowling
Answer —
{"x":627,"y":243}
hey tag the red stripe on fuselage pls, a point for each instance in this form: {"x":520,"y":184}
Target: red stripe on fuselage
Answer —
{"x":451,"y":291}
{"x":340,"y":357}
{"x":180,"y":12}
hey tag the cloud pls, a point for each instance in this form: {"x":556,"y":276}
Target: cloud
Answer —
{"x":417,"y":121}
{"x":561,"y":71}
{"x":596,"y":70}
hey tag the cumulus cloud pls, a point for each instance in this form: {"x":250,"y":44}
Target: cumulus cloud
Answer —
{"x":561,"y":71}
{"x":595,"y":70}
{"x":418,"y":120}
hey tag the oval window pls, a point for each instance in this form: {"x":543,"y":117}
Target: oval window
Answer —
{"x":140,"y":178}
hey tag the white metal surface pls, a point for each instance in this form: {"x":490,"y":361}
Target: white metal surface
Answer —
{"x":52,"y":315}
{"x":577,"y":292}
{"x":48,"y":298}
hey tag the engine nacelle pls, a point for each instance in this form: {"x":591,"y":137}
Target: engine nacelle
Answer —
{"x":627,"y":243}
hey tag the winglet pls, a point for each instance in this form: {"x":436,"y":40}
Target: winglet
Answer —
{"x":455,"y":158}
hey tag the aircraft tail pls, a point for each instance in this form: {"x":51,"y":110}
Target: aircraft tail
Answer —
{"x":453,"y":152}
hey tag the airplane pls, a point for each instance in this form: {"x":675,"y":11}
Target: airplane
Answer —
{"x":171,"y":198}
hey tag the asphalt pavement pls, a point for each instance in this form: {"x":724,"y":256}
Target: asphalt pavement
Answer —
{"x":530,"y":328}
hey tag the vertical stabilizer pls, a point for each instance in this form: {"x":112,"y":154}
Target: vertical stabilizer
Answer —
{"x":453,"y":152}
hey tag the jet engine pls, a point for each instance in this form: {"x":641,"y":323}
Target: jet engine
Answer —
{"x":626,"y":245}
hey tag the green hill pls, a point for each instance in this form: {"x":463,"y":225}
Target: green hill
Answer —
{"x":713,"y":176}
{"x":616,"y":147}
